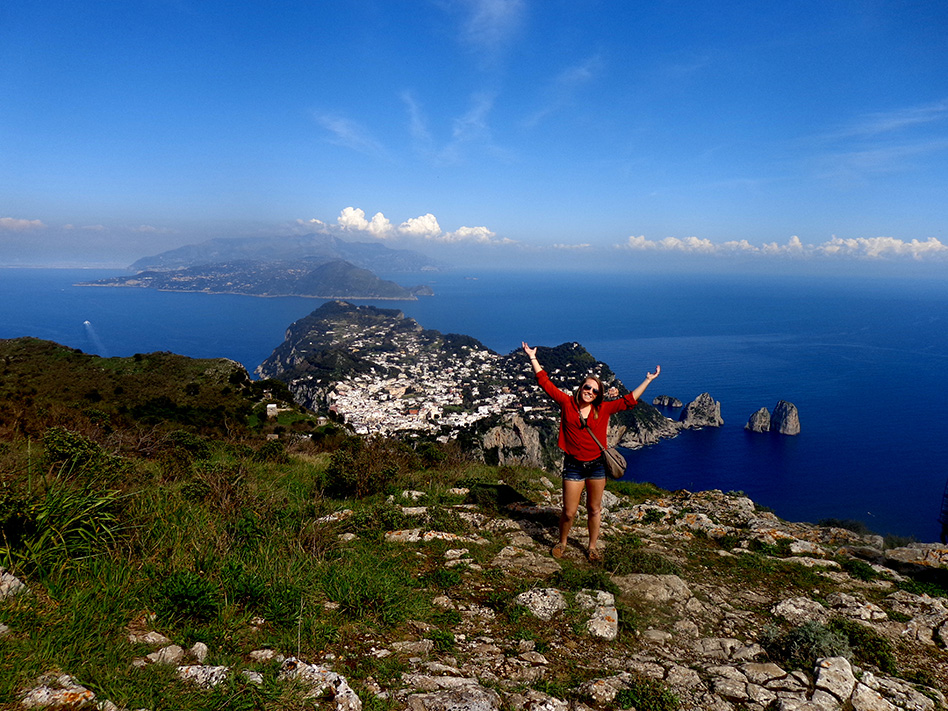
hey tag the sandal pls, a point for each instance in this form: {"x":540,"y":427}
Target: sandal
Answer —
{"x":558,"y":550}
{"x":595,"y":555}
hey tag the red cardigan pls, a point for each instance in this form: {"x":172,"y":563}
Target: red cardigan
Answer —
{"x":573,"y":440}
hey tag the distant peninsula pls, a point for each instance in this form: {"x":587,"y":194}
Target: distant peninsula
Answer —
{"x":309,"y":277}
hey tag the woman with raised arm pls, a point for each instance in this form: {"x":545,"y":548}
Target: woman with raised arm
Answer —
{"x":582,"y":463}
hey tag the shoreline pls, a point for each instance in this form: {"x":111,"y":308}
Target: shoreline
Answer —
{"x":260,"y":296}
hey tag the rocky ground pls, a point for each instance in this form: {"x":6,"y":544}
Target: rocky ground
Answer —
{"x":720,"y":583}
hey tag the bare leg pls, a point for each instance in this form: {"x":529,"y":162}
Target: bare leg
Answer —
{"x":594,"y":489}
{"x":572,"y":491}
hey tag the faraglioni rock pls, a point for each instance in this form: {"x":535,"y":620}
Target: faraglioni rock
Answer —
{"x":759,"y":421}
{"x":666,"y":401}
{"x":785,"y":418}
{"x":703,"y":411}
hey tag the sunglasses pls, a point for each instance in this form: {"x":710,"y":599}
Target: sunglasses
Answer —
{"x":594,"y":390}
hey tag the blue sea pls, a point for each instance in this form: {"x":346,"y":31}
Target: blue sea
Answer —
{"x":865,"y":360}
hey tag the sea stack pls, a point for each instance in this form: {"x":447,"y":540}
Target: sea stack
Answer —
{"x":703,"y":411}
{"x":759,"y":421}
{"x":785,"y":418}
{"x":666,"y":401}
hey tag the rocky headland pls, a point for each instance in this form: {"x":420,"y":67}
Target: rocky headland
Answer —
{"x":382,"y":373}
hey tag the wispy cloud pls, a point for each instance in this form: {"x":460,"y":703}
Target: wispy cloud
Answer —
{"x":564,"y":87}
{"x":14,"y":224}
{"x":489,"y":26}
{"x":873,"y":248}
{"x":882,"y":142}
{"x":348,"y":133}
{"x":878,"y":123}
{"x":470,"y":129}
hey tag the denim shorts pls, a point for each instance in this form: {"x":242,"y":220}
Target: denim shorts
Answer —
{"x":576,"y":470}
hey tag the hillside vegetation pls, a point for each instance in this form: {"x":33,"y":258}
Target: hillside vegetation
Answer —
{"x":145,"y":503}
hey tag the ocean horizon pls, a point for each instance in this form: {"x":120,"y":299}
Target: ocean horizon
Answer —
{"x":863,"y":359}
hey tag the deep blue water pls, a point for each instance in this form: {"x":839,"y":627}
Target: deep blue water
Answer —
{"x":864,"y":360}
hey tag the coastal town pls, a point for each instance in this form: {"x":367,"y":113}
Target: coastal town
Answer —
{"x":400,"y":377}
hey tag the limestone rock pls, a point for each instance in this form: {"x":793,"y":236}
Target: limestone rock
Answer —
{"x":797,"y":610}
{"x":172,"y":654}
{"x":834,"y":676}
{"x":666,"y":401}
{"x":785,"y":419}
{"x":653,"y":588}
{"x":520,"y":560}
{"x":472,"y":697}
{"x":703,"y":411}
{"x":321,"y":680}
{"x":543,"y":603}
{"x":10,"y":585}
{"x":57,"y":690}
{"x":204,"y":676}
{"x":759,"y":421}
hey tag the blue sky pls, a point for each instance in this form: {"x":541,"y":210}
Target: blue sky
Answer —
{"x":514,"y":131}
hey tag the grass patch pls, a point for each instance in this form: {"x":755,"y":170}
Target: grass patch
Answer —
{"x":646,"y":694}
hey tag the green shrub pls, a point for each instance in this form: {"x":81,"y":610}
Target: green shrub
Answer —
{"x":362,"y":468}
{"x":442,"y":518}
{"x":859,"y":569}
{"x":194,"y":446}
{"x":868,"y":646}
{"x":647,"y":695}
{"x":272,"y":451}
{"x":800,"y":646}
{"x":186,"y":596}
{"x":376,"y":520}
{"x":443,"y":639}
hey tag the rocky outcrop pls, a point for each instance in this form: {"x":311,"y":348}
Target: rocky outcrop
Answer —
{"x":666,"y":401}
{"x":759,"y":421}
{"x":785,"y":419}
{"x":703,"y":648}
{"x":703,"y":411}
{"x":644,"y":425}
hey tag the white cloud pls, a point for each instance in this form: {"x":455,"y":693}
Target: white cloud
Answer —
{"x":425,"y":226}
{"x":858,"y":248}
{"x":881,"y":247}
{"x":353,"y":219}
{"x":584,"y":245}
{"x":475,"y":234}
{"x":13,"y":224}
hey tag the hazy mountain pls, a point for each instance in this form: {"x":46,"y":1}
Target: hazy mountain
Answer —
{"x":322,"y":247}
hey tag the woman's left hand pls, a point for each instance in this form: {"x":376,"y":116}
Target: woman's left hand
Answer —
{"x":652,"y":376}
